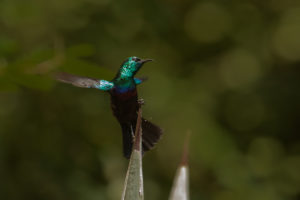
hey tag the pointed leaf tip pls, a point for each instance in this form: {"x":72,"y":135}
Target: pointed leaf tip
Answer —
{"x":180,"y":189}
{"x":185,"y":154}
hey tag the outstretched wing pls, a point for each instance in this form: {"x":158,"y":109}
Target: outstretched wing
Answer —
{"x":84,"y":82}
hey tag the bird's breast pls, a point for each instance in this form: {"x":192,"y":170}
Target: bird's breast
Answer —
{"x":125,"y":95}
{"x":124,"y":104}
{"x":124,"y":92}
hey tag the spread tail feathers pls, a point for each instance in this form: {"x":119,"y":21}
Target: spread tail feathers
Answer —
{"x":150,"y":134}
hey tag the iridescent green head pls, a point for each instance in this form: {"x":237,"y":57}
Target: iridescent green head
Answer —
{"x":130,"y":67}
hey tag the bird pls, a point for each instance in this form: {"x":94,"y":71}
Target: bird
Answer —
{"x":124,"y":101}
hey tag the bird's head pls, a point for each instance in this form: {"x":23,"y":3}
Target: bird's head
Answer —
{"x":131,"y":66}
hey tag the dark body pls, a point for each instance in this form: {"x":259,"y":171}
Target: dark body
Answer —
{"x":125,"y":107}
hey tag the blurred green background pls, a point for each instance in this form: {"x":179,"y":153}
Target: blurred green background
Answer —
{"x":228,"y":71}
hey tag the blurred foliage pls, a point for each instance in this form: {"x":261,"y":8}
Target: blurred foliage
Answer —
{"x":227,"y":71}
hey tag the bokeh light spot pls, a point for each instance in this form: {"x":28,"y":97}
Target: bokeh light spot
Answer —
{"x":207,"y":22}
{"x":286,"y":37}
{"x":263,"y":155}
{"x":239,"y":69}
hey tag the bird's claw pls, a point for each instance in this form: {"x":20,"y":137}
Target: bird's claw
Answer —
{"x":141,"y":102}
{"x":132,"y":134}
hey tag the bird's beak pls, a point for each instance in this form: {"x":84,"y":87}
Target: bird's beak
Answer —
{"x":145,"y":60}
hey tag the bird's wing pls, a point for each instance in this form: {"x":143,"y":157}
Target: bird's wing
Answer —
{"x":140,"y":80}
{"x":84,"y":82}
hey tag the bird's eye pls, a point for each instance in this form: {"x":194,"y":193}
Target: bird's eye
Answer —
{"x":135,"y":59}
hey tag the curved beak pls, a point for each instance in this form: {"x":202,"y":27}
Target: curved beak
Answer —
{"x":145,"y":60}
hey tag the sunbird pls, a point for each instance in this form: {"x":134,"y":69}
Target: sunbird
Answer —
{"x":124,"y":101}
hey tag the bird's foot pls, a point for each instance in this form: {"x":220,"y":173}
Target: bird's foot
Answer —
{"x":132,"y":134}
{"x":141,"y":102}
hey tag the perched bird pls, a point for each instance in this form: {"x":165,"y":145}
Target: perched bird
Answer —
{"x":124,"y":101}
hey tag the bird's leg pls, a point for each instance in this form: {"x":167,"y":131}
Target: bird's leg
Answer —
{"x":141,"y":102}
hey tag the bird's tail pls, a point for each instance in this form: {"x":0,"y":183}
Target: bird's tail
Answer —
{"x":127,"y":133}
{"x":150,"y":134}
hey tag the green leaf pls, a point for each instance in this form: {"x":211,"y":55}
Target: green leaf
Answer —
{"x":133,"y":187}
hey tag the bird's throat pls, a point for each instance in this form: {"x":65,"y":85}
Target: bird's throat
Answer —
{"x":123,"y":85}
